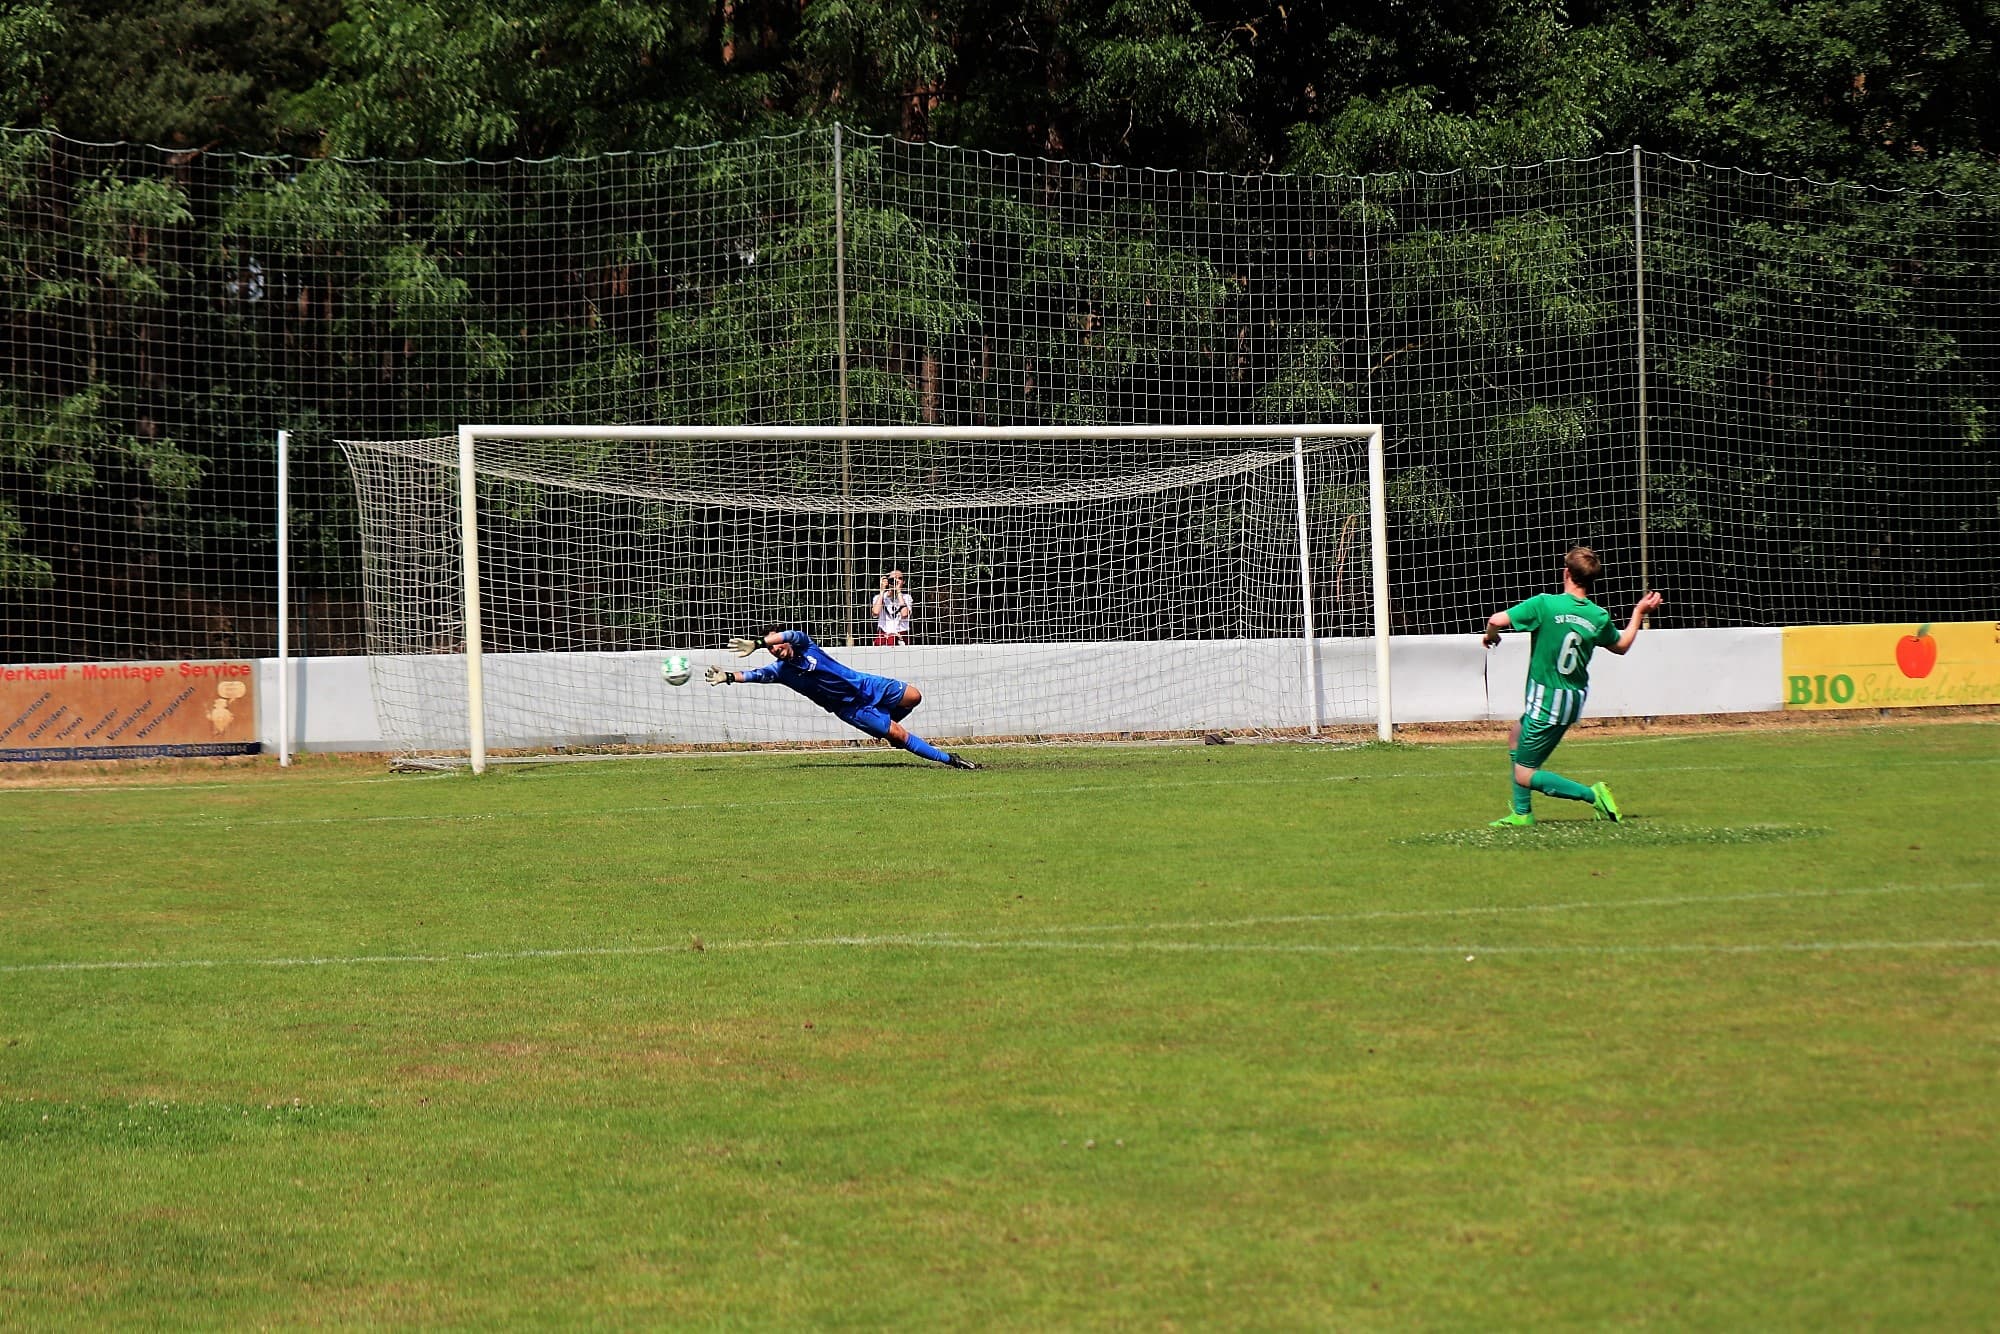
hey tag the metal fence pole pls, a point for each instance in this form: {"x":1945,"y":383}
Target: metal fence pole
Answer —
{"x":468,"y":523}
{"x":1307,"y":633}
{"x":1639,"y":329}
{"x":848,"y":586}
{"x":1367,"y":309}
{"x":284,"y":598}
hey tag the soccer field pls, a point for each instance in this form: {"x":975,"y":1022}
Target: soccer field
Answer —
{"x":1246,"y":1036}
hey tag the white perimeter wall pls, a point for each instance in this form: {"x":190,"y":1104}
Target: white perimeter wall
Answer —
{"x":1437,"y":678}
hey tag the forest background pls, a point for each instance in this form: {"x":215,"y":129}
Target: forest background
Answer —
{"x":1878,"y":92}
{"x":119,"y":418}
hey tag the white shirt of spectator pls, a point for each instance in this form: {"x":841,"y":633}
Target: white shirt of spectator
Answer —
{"x":894,"y":618}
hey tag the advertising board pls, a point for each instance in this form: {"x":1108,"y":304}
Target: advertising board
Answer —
{"x":127,"y":710}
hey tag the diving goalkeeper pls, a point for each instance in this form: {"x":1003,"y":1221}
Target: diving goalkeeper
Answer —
{"x":876,"y":705}
{"x":1566,"y":628}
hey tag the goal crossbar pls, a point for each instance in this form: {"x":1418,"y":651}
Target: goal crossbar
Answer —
{"x":1126,"y":485}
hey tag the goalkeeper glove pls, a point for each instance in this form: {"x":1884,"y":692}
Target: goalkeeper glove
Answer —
{"x":743,"y":648}
{"x":717,"y":677}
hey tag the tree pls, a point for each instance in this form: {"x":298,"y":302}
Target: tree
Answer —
{"x":1862,"y":90}
{"x":449,"y":78}
{"x":168,"y":72}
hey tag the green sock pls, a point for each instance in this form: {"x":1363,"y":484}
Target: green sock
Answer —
{"x":1523,"y":799}
{"x":1555,"y":785}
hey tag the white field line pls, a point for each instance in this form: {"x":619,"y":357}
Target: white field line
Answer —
{"x":1495,"y":910}
{"x":1470,"y":950}
{"x":1025,"y":945}
{"x":958,"y":789}
{"x":1048,"y":938}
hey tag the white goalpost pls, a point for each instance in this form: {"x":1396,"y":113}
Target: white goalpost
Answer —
{"x":524,"y":583}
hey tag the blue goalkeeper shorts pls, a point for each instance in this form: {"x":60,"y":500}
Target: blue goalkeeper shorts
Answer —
{"x":875,"y":717}
{"x":874,"y":720}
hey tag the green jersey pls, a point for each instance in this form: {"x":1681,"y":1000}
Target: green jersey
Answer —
{"x":1566,"y":631}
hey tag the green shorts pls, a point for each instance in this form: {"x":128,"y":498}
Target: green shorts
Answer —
{"x":1538,"y":741}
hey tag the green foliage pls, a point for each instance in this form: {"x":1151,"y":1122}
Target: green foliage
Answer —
{"x":1852,"y":90}
{"x":1493,"y":304}
{"x":1127,"y":303}
{"x":1156,"y":65}
{"x":458,"y":77}
{"x":1518,"y":83}
{"x":1871,"y":90}
{"x":1159,"y":81}
{"x":182,"y":73}
{"x":747,"y":335}
{"x":1312,"y":383}
{"x":404,"y":296}
{"x":27,"y":32}
{"x":1507,"y":285}
{"x":56,"y":444}
{"x":1545,"y":431}
{"x":417,"y":296}
{"x":322,"y":206}
{"x":19,"y":570}
{"x":1423,"y":499}
{"x":66,"y":446}
{"x":857,"y":51}
{"x":120,"y":225}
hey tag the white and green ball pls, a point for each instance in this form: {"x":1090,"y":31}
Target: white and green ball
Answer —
{"x":677,"y":670}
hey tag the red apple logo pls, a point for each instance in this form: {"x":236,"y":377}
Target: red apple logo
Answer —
{"x":1916,"y":654}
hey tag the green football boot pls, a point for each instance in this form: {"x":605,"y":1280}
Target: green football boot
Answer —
{"x":1513,"y":821}
{"x":1604,"y":806}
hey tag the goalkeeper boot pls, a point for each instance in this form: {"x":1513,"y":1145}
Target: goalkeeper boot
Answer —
{"x":960,"y":762}
{"x":1604,"y":806}
{"x":1513,"y":820}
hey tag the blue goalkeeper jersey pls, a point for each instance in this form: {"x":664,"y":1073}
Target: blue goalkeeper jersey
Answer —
{"x":834,"y":687}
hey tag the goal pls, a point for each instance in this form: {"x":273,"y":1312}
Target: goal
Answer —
{"x":524,"y":584}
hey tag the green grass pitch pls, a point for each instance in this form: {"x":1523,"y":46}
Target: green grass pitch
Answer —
{"x":1240,"y":1037}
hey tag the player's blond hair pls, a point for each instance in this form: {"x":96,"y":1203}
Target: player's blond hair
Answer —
{"x":1583,"y":566}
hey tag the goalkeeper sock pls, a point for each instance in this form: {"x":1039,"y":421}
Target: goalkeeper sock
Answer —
{"x":1555,"y":785}
{"x":918,"y":746}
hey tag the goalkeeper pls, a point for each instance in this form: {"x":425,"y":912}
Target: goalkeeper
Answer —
{"x":875,"y":704}
{"x":1567,"y":627}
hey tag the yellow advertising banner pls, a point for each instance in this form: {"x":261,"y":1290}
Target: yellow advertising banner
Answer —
{"x":127,"y":710}
{"x":1892,"y":666}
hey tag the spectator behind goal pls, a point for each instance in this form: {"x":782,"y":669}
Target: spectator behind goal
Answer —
{"x":891,"y":609}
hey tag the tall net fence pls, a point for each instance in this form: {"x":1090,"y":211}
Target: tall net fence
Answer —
{"x":1774,"y":399}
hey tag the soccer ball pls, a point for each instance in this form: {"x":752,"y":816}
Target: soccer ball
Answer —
{"x":677,"y":670}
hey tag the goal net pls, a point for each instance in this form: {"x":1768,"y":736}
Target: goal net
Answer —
{"x":524,"y":585}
